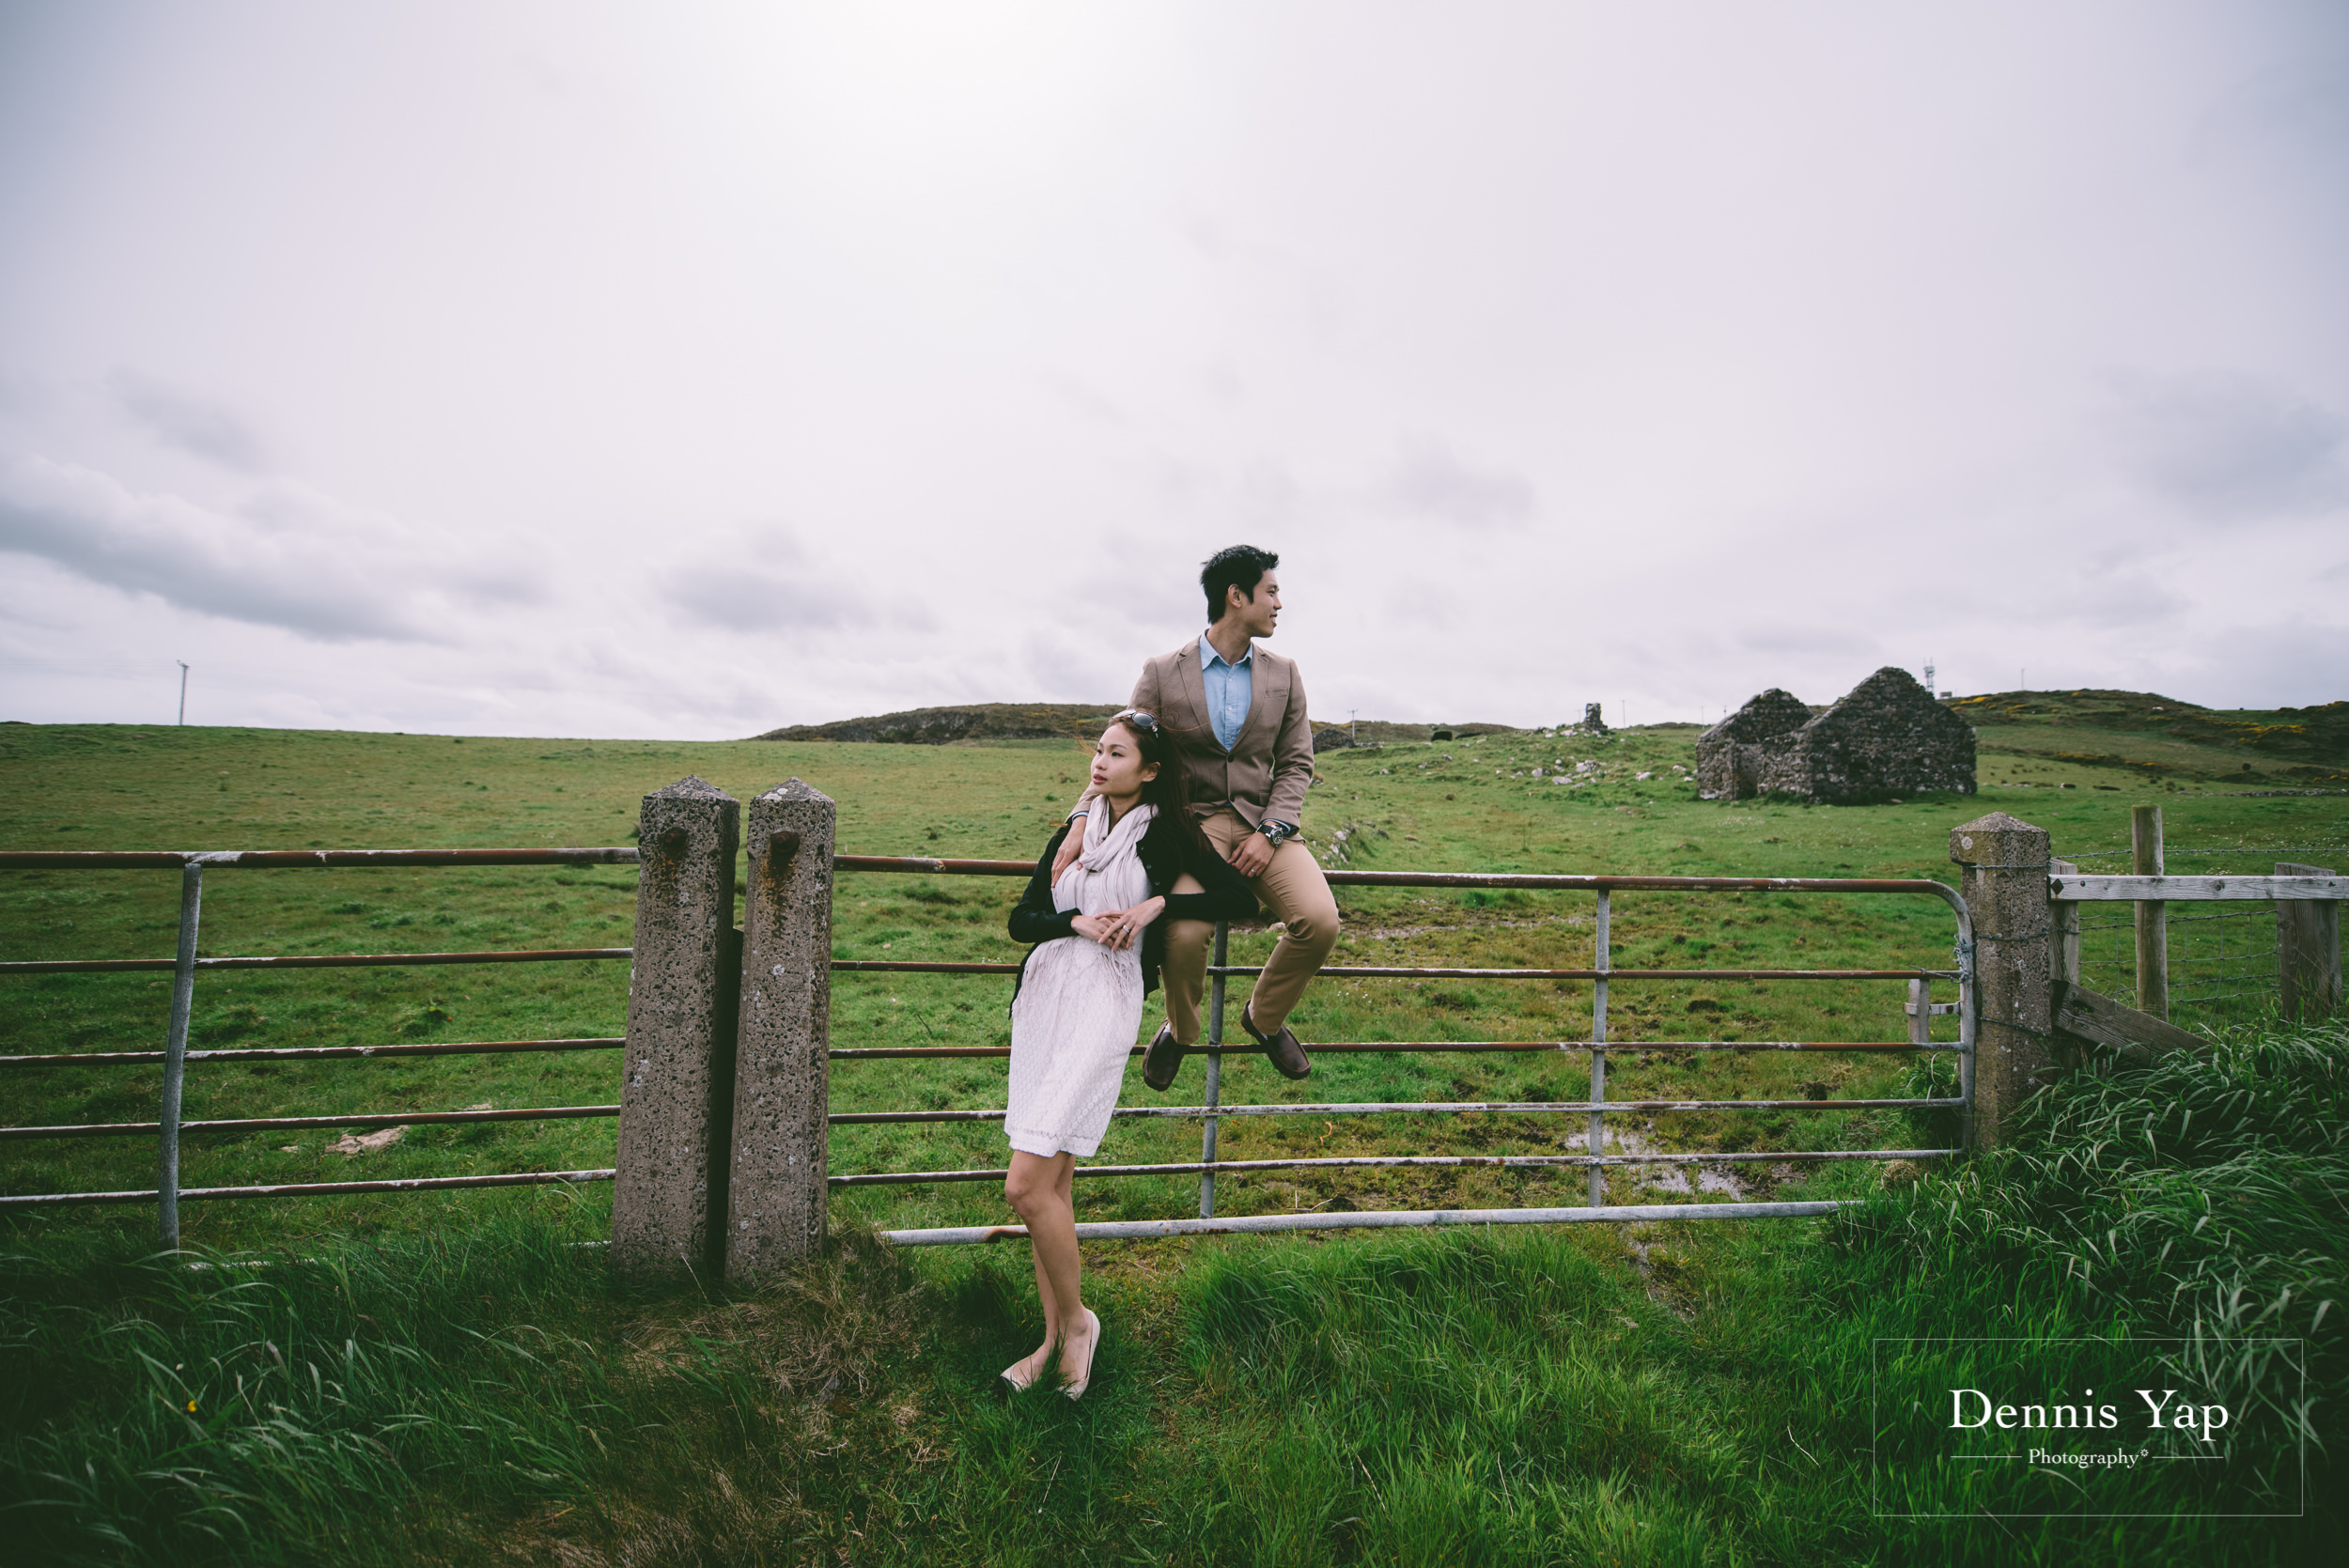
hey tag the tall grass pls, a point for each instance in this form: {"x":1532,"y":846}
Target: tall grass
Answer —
{"x":1658,"y":1394}
{"x":448,"y":1390}
{"x":2207,"y":1197}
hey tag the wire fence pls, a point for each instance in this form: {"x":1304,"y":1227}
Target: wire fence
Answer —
{"x":2223,"y":958}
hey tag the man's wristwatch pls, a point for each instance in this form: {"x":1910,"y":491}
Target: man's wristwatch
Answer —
{"x":1276,"y":833}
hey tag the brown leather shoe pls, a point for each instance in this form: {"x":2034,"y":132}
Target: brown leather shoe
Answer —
{"x":1163,"y":1061}
{"x":1287,"y":1057}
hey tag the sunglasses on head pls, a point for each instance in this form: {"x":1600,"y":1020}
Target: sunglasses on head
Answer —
{"x":1135,"y":717}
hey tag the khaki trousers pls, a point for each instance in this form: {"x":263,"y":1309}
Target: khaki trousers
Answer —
{"x":1293,"y":888}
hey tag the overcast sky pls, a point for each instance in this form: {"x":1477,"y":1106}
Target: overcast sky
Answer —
{"x":686,"y":369}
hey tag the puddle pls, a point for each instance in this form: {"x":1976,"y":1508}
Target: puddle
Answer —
{"x":1722,"y":1178}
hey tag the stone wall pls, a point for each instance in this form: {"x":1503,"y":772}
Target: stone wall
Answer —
{"x":1729,"y":756}
{"x":1888,"y":737}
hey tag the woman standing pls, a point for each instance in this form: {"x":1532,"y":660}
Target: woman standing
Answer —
{"x":1077,"y":1007}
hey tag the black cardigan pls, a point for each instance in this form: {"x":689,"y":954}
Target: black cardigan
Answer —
{"x":1166,"y":852}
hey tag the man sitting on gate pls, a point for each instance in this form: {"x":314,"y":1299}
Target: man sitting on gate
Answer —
{"x":1237,"y":714}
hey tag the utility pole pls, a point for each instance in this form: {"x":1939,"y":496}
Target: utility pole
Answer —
{"x":1349,"y":724}
{"x":184,"y":689}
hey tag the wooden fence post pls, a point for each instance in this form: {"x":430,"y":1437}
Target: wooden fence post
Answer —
{"x":783,"y":1075}
{"x":2005,"y":888}
{"x":668,"y":1203}
{"x":2308,"y":950}
{"x":2068,"y":928}
{"x":2152,"y":916}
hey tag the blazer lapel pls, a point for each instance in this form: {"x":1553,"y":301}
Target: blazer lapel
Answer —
{"x":1267,"y":697}
{"x":1193,"y":687}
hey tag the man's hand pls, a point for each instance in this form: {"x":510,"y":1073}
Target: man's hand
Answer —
{"x":1250,"y":855}
{"x":1070,"y":847}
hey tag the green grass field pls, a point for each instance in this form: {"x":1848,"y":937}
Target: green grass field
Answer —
{"x":514,"y":1387}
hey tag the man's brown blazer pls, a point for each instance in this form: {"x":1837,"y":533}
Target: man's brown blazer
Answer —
{"x":1266,"y":772}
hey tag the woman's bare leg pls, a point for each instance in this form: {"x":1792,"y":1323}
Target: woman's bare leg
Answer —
{"x":1039,"y":1190}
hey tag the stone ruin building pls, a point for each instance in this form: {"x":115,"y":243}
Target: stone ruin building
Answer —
{"x":1888,"y":737}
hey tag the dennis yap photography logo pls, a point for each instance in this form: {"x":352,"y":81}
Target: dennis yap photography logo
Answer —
{"x":2018,"y":1427}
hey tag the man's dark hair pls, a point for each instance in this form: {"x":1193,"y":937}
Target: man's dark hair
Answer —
{"x":1241,"y":566}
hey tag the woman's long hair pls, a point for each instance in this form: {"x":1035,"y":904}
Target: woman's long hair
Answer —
{"x":1170,"y":791}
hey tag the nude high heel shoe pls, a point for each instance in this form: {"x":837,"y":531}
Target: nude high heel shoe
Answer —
{"x":1018,"y":1377}
{"x":1075,"y":1387}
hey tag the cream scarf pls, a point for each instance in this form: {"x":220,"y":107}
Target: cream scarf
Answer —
{"x":1109,"y":874}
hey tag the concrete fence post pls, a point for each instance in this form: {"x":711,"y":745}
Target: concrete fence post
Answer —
{"x":2308,"y":950}
{"x":668,"y":1204}
{"x":782,"y":1078}
{"x":2005,"y":889}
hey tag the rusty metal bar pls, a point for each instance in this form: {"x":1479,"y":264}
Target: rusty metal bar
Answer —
{"x":1143,"y":1229}
{"x":315,"y":1190}
{"x":897,"y":1178}
{"x":921,"y":865}
{"x":1601,"y":945}
{"x":1424,"y":1108}
{"x":1431,"y":1046}
{"x":1391,"y":973}
{"x":924,"y":864}
{"x":318,"y":961}
{"x":1214,"y":1089}
{"x":916,"y":966}
{"x":176,"y":1059}
{"x":305,"y":1053}
{"x":276,"y":1124}
{"x":110,"y":860}
{"x":1344,"y":972}
{"x":297,"y":860}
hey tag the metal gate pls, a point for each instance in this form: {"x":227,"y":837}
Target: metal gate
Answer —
{"x":1601,"y":974}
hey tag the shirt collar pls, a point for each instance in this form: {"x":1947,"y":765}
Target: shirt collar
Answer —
{"x":1207,"y":655}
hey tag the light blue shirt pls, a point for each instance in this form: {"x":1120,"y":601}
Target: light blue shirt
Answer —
{"x":1230,"y":688}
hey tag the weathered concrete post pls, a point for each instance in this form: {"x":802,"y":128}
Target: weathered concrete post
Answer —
{"x":669,"y":1202}
{"x":782,"y":1079}
{"x":2005,"y":889}
{"x":2308,"y":950}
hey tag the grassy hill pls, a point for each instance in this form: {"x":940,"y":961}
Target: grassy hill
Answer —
{"x":2161,"y":738}
{"x":939,"y":726}
{"x":490,"y":1393}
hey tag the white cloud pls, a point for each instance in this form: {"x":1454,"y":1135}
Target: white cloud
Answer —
{"x":194,"y":422}
{"x":290,"y":557}
{"x":1564,"y":352}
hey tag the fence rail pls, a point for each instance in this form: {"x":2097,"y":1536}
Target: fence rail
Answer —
{"x":2006,"y":883}
{"x":2173,"y":890}
{"x":1600,"y":974}
{"x":174,"y":1058}
{"x":314,"y":1053}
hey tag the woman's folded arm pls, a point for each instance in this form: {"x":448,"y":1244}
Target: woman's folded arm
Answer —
{"x":1034,"y":919}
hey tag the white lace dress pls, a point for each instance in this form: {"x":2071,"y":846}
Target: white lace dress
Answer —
{"x":1079,"y":1010}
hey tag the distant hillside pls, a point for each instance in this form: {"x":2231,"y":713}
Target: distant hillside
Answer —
{"x":2304,"y":744}
{"x":938,"y":726}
